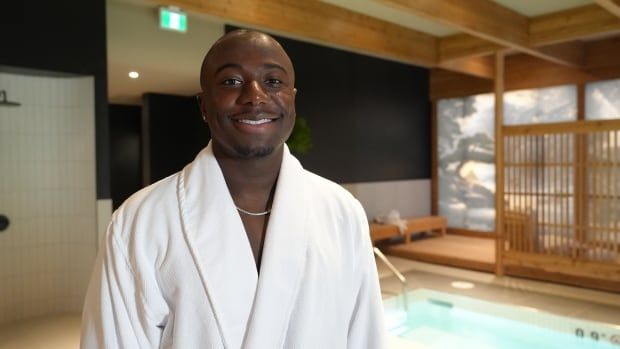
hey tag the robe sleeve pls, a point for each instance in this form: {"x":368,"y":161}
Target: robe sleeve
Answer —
{"x":366,"y":327}
{"x":115,"y":313}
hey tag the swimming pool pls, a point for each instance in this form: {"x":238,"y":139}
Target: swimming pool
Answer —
{"x":440,"y":320}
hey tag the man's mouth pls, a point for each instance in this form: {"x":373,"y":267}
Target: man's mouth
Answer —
{"x":254,"y":122}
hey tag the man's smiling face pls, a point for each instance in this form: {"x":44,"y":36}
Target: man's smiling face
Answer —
{"x":248,"y":95}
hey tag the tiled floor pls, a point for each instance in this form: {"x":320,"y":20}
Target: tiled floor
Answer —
{"x":62,"y":332}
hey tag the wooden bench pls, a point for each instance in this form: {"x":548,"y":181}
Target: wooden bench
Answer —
{"x":414,"y":225}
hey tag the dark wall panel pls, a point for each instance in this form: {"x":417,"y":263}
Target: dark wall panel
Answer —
{"x":174,"y":134}
{"x":125,"y":143}
{"x":67,"y":36}
{"x":370,"y":118}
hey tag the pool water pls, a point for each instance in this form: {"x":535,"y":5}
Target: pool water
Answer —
{"x":443,"y":321}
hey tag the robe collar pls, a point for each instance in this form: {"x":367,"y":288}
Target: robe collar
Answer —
{"x":250,"y":311}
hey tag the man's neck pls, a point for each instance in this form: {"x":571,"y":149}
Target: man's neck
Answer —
{"x":251,"y":182}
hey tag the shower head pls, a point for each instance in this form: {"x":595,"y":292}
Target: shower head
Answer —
{"x":4,"y":102}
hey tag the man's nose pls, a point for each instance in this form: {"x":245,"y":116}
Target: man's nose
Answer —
{"x":253,"y":93}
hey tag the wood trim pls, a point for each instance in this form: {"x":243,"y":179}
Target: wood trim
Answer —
{"x":564,"y":270}
{"x":580,"y":180}
{"x":536,"y":273}
{"x":581,"y":102}
{"x":573,"y":24}
{"x":434,"y":161}
{"x":523,"y":71}
{"x":459,"y":46}
{"x":499,"y":161}
{"x":577,"y":127}
{"x":321,"y":23}
{"x":442,"y":260}
{"x":472,"y":233}
{"x":483,"y":19}
{"x":447,"y":84}
{"x":583,"y":22}
{"x":601,"y":61}
{"x":613,"y":6}
{"x":481,"y":67}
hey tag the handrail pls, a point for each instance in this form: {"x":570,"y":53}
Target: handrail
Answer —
{"x":398,"y":275}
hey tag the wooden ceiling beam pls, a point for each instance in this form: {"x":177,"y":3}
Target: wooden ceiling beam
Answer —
{"x":480,"y":67}
{"x":613,"y":6}
{"x":573,"y":24}
{"x":558,"y":27}
{"x":483,"y":19}
{"x":322,"y":23}
{"x":459,"y":46}
{"x":601,"y":61}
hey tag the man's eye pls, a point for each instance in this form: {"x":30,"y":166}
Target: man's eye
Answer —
{"x":231,"y":82}
{"x":274,"y":82}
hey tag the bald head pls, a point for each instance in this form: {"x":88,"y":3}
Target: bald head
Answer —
{"x":243,"y":39}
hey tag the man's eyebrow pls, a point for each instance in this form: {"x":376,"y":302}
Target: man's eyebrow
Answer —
{"x":227,"y":65}
{"x":275,"y":66}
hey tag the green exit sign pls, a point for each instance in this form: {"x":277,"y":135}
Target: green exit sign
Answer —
{"x":172,"y":18}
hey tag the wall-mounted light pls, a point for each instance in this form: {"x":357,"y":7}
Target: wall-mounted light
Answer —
{"x":134,"y":74}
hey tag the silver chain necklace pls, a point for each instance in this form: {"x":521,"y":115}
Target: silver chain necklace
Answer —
{"x":253,"y":213}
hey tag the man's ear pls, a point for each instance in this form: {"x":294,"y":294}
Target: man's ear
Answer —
{"x":199,"y":99}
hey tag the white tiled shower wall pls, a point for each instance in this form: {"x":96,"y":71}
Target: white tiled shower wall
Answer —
{"x":48,"y":191}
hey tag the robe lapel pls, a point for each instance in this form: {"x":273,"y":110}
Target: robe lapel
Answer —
{"x":219,"y":246}
{"x":283,"y":260}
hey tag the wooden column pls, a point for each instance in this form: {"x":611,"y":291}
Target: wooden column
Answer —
{"x":580,"y":177}
{"x":499,"y":162}
{"x":434,"y":161}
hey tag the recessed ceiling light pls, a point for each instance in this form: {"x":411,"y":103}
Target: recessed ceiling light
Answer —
{"x":463,"y":285}
{"x":134,"y":74}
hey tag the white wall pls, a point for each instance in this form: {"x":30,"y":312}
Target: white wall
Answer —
{"x":48,"y":191}
{"x":168,"y":62}
{"x":412,"y":198}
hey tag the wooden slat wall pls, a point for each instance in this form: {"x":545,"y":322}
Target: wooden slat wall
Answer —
{"x":562,"y":195}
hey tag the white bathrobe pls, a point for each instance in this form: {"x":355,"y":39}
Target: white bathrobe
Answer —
{"x":177,"y":270}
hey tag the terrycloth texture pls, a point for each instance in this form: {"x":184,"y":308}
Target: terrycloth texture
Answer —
{"x":177,"y":270}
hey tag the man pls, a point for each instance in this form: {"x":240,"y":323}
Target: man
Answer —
{"x":182,"y":259}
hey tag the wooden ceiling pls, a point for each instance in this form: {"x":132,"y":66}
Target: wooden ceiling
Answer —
{"x":482,"y":27}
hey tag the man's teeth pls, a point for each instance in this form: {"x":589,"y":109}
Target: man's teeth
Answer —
{"x":254,"y":122}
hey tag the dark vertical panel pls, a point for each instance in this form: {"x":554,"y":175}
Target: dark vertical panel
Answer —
{"x":329,"y":114}
{"x":125,"y":139}
{"x":176,"y":133}
{"x":393,"y":120}
{"x":66,"y":36}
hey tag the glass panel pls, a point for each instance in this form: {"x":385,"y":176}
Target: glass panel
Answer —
{"x":603,"y":100}
{"x":467,"y":162}
{"x":553,"y":104}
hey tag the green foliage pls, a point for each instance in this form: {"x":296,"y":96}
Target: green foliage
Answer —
{"x":300,"y":141}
